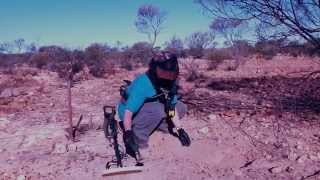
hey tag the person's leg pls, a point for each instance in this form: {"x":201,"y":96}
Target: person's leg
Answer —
{"x":146,"y":120}
{"x":182,"y":110}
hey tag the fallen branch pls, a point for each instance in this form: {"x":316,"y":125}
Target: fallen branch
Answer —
{"x":312,"y":175}
{"x":247,"y":164}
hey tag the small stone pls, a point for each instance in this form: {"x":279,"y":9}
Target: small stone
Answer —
{"x":313,"y":158}
{"x":6,"y":93}
{"x":6,"y":176}
{"x":72,"y":147}
{"x":293,"y":156}
{"x":238,"y":172}
{"x":59,"y":148}
{"x":21,"y":177}
{"x":212,"y":117}
{"x":276,"y":170}
{"x":302,"y":159}
{"x":266,"y":125}
{"x":4,"y":122}
{"x":268,"y":156}
{"x":15,"y":92}
{"x":299,"y":145}
{"x":204,"y":130}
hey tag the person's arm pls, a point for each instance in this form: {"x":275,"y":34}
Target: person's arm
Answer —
{"x":127,"y":120}
{"x":134,"y":102}
{"x":131,"y":145}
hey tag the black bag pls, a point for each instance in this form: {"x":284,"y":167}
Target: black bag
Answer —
{"x":123,"y":89}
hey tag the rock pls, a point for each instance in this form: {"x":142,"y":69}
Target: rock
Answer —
{"x":59,"y":148}
{"x":266,"y":125}
{"x":72,"y":147}
{"x":21,"y":177}
{"x":238,"y":172}
{"x":6,"y":93}
{"x":16,"y":92}
{"x":212,"y":117}
{"x":268,"y":156}
{"x":276,"y":170}
{"x":33,"y":139}
{"x":204,"y":130}
{"x":31,"y":93}
{"x":3,"y":122}
{"x":313,"y":158}
{"x":299,"y":145}
{"x":293,"y":156}
{"x":302,"y":159}
{"x":4,"y":175}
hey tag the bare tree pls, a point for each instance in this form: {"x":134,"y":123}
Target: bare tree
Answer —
{"x":232,"y":30}
{"x":149,"y":21}
{"x":96,"y":58}
{"x":278,"y":18}
{"x":20,"y":43}
{"x":197,"y":42}
{"x":31,"y":48}
{"x":6,"y":47}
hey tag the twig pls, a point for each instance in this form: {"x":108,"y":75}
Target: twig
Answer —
{"x":309,"y":176}
{"x":247,"y":164}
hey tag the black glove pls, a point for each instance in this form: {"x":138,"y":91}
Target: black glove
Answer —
{"x":131,"y":146}
{"x":184,"y":137}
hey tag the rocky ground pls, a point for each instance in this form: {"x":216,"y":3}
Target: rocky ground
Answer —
{"x":234,"y":139}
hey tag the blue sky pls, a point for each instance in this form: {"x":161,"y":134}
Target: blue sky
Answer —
{"x":78,"y":23}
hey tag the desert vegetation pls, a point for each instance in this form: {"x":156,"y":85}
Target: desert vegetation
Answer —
{"x":254,"y":103}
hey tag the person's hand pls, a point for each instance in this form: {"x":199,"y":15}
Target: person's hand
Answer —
{"x":183,"y":137}
{"x":131,"y":146}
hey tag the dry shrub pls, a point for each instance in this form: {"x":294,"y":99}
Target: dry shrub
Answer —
{"x":39,"y":60}
{"x":126,"y":64}
{"x":216,"y":57}
{"x":269,"y":48}
{"x":140,"y":52}
{"x":191,"y":67}
{"x":295,"y":49}
{"x":12,"y":60}
{"x":94,"y":58}
{"x":25,"y":71}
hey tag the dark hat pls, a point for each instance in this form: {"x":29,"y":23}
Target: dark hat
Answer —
{"x":166,"y":61}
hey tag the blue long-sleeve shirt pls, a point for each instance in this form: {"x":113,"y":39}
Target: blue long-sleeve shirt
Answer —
{"x":138,"y":91}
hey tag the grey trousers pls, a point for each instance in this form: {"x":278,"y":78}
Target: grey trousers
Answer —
{"x":150,"y":117}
